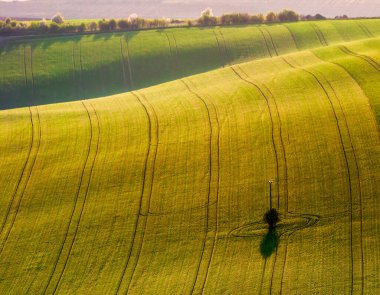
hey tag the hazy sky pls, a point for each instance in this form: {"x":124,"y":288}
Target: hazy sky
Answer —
{"x":181,"y":8}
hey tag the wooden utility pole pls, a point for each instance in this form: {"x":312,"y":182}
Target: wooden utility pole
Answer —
{"x":270,"y":193}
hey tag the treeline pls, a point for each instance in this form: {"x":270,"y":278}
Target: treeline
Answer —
{"x":58,"y":24}
{"x":207,"y":18}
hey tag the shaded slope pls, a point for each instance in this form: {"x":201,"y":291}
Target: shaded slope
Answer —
{"x":55,"y":69}
{"x":149,"y":191}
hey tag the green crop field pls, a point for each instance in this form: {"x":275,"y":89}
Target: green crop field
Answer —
{"x":162,"y":189}
{"x":43,"y":70}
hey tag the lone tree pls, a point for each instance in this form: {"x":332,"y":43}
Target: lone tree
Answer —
{"x":271,"y":217}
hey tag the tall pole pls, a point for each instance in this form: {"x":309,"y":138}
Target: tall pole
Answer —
{"x":270,"y":194}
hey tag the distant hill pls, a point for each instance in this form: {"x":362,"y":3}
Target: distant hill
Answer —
{"x":181,"y":8}
{"x":48,"y":69}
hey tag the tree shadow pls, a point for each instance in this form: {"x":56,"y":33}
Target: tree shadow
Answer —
{"x":269,"y":243}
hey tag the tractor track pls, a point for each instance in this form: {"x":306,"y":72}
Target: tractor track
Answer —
{"x":225,"y":47}
{"x":271,"y":40}
{"x":356,"y":81}
{"x":212,"y":163}
{"x":285,"y":168}
{"x":83,"y":185}
{"x":319,"y":34}
{"x":345,"y":157}
{"x":219,"y":49}
{"x":142,"y":218}
{"x":293,"y":37}
{"x":81,"y":180}
{"x":357,"y":173}
{"x":265,"y":40}
{"x":274,"y":146}
{"x":123,"y":62}
{"x":366,"y":58}
{"x":364,"y":29}
{"x":25,"y":73}
{"x":129,"y":63}
{"x":25,"y":174}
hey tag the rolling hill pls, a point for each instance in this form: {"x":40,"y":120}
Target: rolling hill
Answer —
{"x":161,"y":190}
{"x":55,"y":69}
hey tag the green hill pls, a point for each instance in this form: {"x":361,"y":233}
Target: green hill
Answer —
{"x":162,"y":190}
{"x":55,"y":69}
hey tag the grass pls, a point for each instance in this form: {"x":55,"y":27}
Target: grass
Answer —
{"x":43,"y":70}
{"x":142,"y":192}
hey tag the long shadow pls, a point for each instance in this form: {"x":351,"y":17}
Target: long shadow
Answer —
{"x":269,"y":243}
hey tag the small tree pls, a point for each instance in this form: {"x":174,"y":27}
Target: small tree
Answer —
{"x":123,"y":24}
{"x":207,"y":12}
{"x":112,"y":24}
{"x":319,"y":17}
{"x":93,"y":26}
{"x":58,"y":18}
{"x":82,"y":28}
{"x":104,"y":25}
{"x":271,"y":217}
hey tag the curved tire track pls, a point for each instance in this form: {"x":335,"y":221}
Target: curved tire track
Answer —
{"x":79,"y":205}
{"x":199,"y":283}
{"x":265,"y":40}
{"x":283,"y":153}
{"x":24,"y":178}
{"x":349,"y":172}
{"x":271,"y":40}
{"x":146,"y":194}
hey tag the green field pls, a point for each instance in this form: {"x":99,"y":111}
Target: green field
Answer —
{"x":161,"y":190}
{"x":55,"y":69}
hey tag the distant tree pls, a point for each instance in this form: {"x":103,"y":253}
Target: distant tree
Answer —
{"x":93,"y":26}
{"x":54,"y":27}
{"x":58,"y":18}
{"x":104,"y":25}
{"x":43,"y":27}
{"x":288,"y":16}
{"x":8,"y":21}
{"x":319,"y":17}
{"x":190,"y":23}
{"x":82,"y":28}
{"x":256,"y":19}
{"x":207,"y":12}
{"x":123,"y":24}
{"x":271,"y":217}
{"x":207,"y":18}
{"x":271,"y":17}
{"x":2,"y":24}
{"x":112,"y":24}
